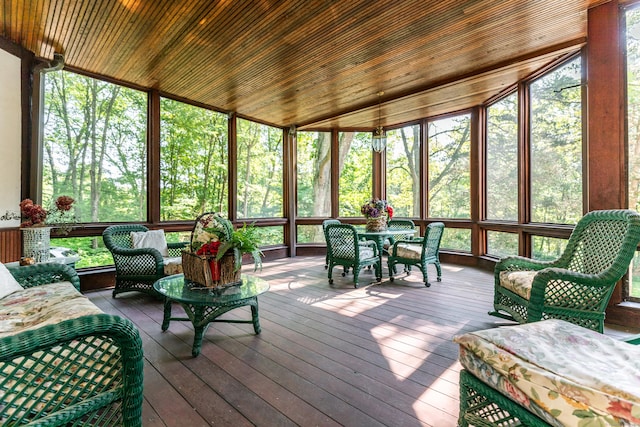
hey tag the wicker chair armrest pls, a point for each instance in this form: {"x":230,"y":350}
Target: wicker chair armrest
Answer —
{"x":40,"y":274}
{"x":519,"y":263}
{"x":119,"y":331}
{"x":560,"y":281}
{"x":370,"y":244}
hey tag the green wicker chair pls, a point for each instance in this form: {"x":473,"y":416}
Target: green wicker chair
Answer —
{"x":82,"y":371}
{"x":344,"y":248}
{"x":324,"y":227}
{"x":577,"y":286}
{"x":136,"y":269}
{"x":398,"y":224}
{"x":419,"y":252}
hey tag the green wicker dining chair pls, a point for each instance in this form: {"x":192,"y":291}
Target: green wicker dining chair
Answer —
{"x":419,"y":252}
{"x":398,"y":224}
{"x":577,"y":286}
{"x":344,"y":248}
{"x":136,"y":269}
{"x":324,"y":227}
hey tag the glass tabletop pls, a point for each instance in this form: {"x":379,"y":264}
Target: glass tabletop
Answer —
{"x":384,"y":233}
{"x":178,"y":289}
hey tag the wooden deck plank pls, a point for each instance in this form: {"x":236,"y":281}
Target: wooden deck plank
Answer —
{"x":381,"y":354}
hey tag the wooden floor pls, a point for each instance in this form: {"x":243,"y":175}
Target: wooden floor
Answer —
{"x":377,"y":355}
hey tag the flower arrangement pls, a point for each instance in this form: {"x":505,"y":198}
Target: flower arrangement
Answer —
{"x":376,"y":208}
{"x":60,"y":214}
{"x":215,"y":235}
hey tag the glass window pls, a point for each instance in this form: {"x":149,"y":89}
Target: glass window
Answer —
{"x":314,"y":174}
{"x":273,"y":235}
{"x":457,"y":239}
{"x":502,"y":159}
{"x":634,"y":279}
{"x":449,"y":173}
{"x":260,"y":172}
{"x":91,"y":250}
{"x":356,"y":172}
{"x":403,"y":171}
{"x":95,"y":147}
{"x":556,"y":145}
{"x":501,"y":244}
{"x":310,"y":234}
{"x":633,"y":105}
{"x":548,"y":248}
{"x":193,"y":161}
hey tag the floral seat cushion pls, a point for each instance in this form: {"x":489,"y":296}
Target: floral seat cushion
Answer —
{"x":72,"y":371}
{"x":519,"y":282}
{"x":42,"y":305}
{"x":571,"y":374}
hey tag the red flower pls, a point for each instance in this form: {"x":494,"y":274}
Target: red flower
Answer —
{"x":210,"y":248}
{"x":64,"y":203}
{"x":390,"y":211}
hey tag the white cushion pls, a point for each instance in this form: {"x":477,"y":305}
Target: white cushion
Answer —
{"x":365,"y":252}
{"x":8,"y":283}
{"x":409,"y":251}
{"x":150,"y":239}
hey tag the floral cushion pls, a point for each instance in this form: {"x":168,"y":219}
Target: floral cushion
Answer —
{"x":409,"y":251}
{"x":565,"y":373}
{"x":172,"y":265}
{"x":42,"y":305}
{"x":518,"y":282}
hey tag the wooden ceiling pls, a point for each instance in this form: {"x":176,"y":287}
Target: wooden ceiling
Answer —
{"x":309,"y":63}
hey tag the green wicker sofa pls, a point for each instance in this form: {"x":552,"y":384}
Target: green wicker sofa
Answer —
{"x":63,"y":362}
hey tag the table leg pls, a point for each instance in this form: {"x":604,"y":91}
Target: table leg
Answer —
{"x":199,"y":326}
{"x":167,"y":314}
{"x":254,"y":318}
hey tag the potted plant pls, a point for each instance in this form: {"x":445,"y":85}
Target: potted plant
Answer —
{"x":214,"y":235}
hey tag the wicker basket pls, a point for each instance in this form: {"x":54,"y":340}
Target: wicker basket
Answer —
{"x":377,"y":224}
{"x":197,"y":269}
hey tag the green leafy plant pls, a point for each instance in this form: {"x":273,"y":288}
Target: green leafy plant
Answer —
{"x":245,"y":240}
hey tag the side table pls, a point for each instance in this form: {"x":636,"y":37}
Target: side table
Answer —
{"x":204,"y":305}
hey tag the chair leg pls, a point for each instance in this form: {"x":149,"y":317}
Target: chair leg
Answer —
{"x":356,"y":274}
{"x":439,"y":270}
{"x":425,"y":274}
{"x":330,"y":273}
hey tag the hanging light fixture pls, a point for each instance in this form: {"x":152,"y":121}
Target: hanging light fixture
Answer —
{"x":379,"y":140}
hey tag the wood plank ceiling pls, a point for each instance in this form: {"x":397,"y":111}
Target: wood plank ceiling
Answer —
{"x":309,"y":63}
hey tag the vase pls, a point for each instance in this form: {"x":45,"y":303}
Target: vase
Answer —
{"x":376,"y":224}
{"x":36,"y":243}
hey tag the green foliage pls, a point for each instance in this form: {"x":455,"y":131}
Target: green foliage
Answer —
{"x":449,"y":167}
{"x":245,"y":240}
{"x":260,"y":170}
{"x":356,"y":171}
{"x":502,"y":159}
{"x":556,"y":145}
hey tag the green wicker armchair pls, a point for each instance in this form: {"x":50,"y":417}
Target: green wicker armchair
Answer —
{"x":577,"y":286}
{"x":344,"y":248}
{"x":324,"y":227}
{"x":419,"y":252}
{"x":136,"y":269}
{"x":82,"y":371}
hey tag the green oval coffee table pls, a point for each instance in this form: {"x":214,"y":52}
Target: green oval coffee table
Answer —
{"x":205,"y":305}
